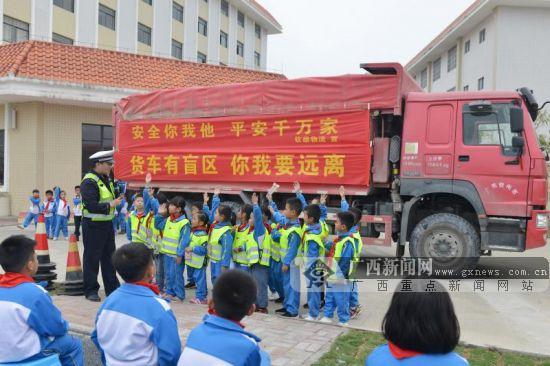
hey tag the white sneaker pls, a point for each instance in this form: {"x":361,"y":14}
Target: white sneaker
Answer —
{"x":343,"y":324}
{"x":273,"y":296}
{"x":325,"y":320}
{"x":309,"y":318}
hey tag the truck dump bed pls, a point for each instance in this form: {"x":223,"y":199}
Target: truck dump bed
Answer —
{"x":246,"y":136}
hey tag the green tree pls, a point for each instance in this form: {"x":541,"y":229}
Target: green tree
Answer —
{"x":542,"y":125}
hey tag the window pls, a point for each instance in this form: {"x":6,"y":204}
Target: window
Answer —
{"x":480,"y":83}
{"x":144,"y":34}
{"x":257,"y":59}
{"x":94,"y":138}
{"x":240,"y":49}
{"x":201,"y":57}
{"x":150,"y":2}
{"x":240,"y":19}
{"x":451,"y":59}
{"x":203,"y":27}
{"x":424,"y":78}
{"x":177,"y":12}
{"x":491,"y":128}
{"x":107,"y":17}
{"x":58,"y":38}
{"x":466,"y":88}
{"x":225,"y":8}
{"x":482,"y":36}
{"x":65,"y":4}
{"x":467,"y":46}
{"x":177,"y":49}
{"x":451,"y":90}
{"x":258,"y":31}
{"x":436,"y":74}
{"x":223,"y":39}
{"x":15,"y":30}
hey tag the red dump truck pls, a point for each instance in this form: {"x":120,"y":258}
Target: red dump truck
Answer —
{"x":453,"y":175}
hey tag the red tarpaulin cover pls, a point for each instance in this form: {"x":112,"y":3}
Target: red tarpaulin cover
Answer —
{"x":313,"y":130}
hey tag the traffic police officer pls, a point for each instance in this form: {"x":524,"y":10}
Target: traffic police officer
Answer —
{"x":99,"y":200}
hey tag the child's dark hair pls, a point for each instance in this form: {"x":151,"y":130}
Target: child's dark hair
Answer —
{"x":138,"y":195}
{"x":76,"y":187}
{"x":422,"y":321}
{"x":247,"y":210}
{"x":201,"y":217}
{"x":49,"y":191}
{"x":197,"y":205}
{"x":346,"y":218}
{"x":225,"y":212}
{"x":313,"y":211}
{"x":179,"y":202}
{"x":233,"y":218}
{"x":131,"y":261}
{"x":266,"y":211}
{"x":295,"y":205}
{"x":15,"y":252}
{"x":357,"y":214}
{"x":233,"y":294}
{"x":161,"y":197}
{"x":35,"y":191}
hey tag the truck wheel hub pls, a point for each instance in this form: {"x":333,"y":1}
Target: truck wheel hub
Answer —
{"x":443,"y":244}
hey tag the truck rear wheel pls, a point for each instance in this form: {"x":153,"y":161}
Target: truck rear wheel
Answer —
{"x":451,"y":241}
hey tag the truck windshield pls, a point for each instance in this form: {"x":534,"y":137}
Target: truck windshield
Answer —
{"x":489,"y":128}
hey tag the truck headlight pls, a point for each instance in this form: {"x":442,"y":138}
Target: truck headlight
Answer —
{"x":542,"y":221}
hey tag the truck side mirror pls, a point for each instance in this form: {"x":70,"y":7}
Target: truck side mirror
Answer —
{"x":516,"y":119}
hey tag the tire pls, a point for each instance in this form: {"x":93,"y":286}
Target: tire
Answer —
{"x":451,"y":241}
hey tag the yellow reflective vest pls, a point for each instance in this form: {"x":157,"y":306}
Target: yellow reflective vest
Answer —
{"x":106,"y":195}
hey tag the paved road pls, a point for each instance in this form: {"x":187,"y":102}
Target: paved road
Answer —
{"x":517,"y":321}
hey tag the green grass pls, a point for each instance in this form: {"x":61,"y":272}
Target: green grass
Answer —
{"x":352,"y":348}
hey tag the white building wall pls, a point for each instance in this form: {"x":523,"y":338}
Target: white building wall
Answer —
{"x":232,"y":39}
{"x":263,"y":55}
{"x":1,"y":17}
{"x":86,"y":21}
{"x":126,"y":18}
{"x":480,"y":61}
{"x":162,"y":28}
{"x":447,"y":79}
{"x":523,"y":51}
{"x":249,"y":43}
{"x":214,"y":14}
{"x":41,"y":20}
{"x":191,"y":19}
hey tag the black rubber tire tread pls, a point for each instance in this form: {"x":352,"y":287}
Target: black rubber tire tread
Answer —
{"x":452,"y":222}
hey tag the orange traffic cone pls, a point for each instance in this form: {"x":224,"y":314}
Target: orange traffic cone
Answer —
{"x":73,"y":285}
{"x":45,"y":267}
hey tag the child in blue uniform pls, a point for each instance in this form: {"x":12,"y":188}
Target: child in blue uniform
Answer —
{"x":63,"y":212}
{"x":195,"y":255}
{"x":220,"y":242}
{"x":289,"y":244}
{"x":35,"y":208}
{"x":339,"y":260}
{"x":241,"y":234}
{"x":176,"y":235}
{"x":134,"y":326}
{"x":221,"y":338}
{"x":421,"y":329}
{"x":49,"y":211}
{"x":32,"y":326}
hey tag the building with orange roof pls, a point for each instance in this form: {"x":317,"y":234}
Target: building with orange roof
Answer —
{"x":56,"y":103}
{"x":220,"y":32}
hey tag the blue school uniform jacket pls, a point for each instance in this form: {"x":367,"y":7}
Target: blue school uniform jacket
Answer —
{"x":381,"y":356}
{"x":28,"y":318}
{"x":136,"y":327}
{"x":219,"y":342}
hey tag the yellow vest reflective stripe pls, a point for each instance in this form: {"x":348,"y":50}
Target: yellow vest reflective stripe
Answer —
{"x":252,"y":249}
{"x":285,"y":234}
{"x":214,"y":245}
{"x":141,"y":234}
{"x":275,"y":244}
{"x":241,"y":237}
{"x":317,"y":238}
{"x":171,"y":236}
{"x":106,"y":195}
{"x":265,"y":249}
{"x":358,"y":246}
{"x":155,"y":239}
{"x":192,"y":259}
{"x":325,"y":231}
{"x":338,"y":254}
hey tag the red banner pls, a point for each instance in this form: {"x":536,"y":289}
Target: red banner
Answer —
{"x":318,"y":148}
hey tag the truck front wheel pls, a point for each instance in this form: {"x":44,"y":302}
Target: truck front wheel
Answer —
{"x":451,"y":241}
